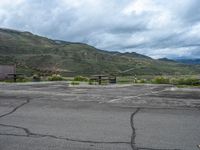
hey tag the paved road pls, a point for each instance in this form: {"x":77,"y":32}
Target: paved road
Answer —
{"x":54,"y":116}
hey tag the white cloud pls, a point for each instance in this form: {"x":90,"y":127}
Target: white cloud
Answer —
{"x":152,"y":27}
{"x":194,"y":31}
{"x":139,"y":7}
{"x":10,"y":3}
{"x":178,"y":52}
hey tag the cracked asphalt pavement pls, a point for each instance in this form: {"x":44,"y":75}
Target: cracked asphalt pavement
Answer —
{"x":56,"y":116}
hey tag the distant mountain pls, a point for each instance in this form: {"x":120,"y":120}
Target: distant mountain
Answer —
{"x":189,"y":61}
{"x":166,"y":60}
{"x":33,"y":53}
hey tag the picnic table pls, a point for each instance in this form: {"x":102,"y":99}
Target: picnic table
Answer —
{"x":100,"y":78}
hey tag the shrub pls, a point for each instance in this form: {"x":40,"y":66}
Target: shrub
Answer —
{"x":161,"y":80}
{"x":22,"y":79}
{"x":81,"y":78}
{"x":142,"y":81}
{"x":36,"y":78}
{"x":55,"y":77}
{"x":91,"y":82}
{"x":74,"y":83}
{"x":186,"y":81}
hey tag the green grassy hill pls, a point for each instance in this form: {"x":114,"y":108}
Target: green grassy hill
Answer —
{"x":35,"y":53}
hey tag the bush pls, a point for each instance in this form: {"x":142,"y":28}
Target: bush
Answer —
{"x":142,"y":81}
{"x":161,"y":80}
{"x":74,"y":83}
{"x":22,"y":79}
{"x":81,"y":78}
{"x":186,"y":81}
{"x":91,"y":82}
{"x":36,"y":78}
{"x":55,"y":77}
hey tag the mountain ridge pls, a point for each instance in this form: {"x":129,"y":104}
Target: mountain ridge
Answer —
{"x":32,"y":53}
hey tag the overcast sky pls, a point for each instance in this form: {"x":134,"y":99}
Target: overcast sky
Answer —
{"x":157,"y":28}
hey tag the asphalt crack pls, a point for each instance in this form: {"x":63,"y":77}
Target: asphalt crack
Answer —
{"x":133,"y":145}
{"x":143,"y":148}
{"x":15,"y":109}
{"x":37,"y":135}
{"x":17,"y":127}
{"x":133,"y":136}
{"x":28,"y":133}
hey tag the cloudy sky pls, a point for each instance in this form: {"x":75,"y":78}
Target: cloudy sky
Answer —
{"x":157,"y":28}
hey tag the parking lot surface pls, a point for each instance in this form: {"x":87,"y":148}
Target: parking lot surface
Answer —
{"x":56,"y":116}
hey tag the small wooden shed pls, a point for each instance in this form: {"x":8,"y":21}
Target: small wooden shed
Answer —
{"x":6,"y":70}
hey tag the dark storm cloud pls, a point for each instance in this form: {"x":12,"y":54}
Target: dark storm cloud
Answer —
{"x":152,"y":27}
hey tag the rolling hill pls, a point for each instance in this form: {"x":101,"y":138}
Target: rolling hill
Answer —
{"x":33,"y":53}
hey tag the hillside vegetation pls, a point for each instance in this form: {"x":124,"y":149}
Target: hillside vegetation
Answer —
{"x":34,"y":53}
